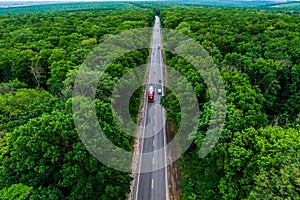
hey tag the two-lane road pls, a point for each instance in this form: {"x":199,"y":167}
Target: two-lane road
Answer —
{"x":152,"y":181}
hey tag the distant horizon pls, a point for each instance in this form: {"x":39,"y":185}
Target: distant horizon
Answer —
{"x":69,"y":0}
{"x":25,"y":3}
{"x":41,"y":1}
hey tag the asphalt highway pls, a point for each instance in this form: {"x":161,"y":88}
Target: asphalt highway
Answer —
{"x":152,"y":185}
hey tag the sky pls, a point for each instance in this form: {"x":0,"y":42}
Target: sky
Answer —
{"x":41,"y":0}
{"x":54,"y":0}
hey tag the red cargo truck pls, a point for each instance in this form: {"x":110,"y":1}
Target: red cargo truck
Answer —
{"x":151,"y":94}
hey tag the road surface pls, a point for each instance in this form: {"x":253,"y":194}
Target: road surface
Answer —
{"x":152,"y":185}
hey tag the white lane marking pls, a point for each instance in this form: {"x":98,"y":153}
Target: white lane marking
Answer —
{"x":163,"y":117}
{"x":144,"y":125}
{"x":141,"y":153}
{"x":153,"y":142}
{"x":153,"y":161}
{"x":152,"y":184}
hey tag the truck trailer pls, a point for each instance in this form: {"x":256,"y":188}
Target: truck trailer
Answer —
{"x":151,"y":94}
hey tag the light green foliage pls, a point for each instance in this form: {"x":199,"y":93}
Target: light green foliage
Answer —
{"x":57,"y":54}
{"x":89,"y":42}
{"x":58,"y":72}
{"x":171,"y":22}
{"x":244,"y":102}
{"x":11,"y":86}
{"x":262,"y":164}
{"x":126,"y":25}
{"x":19,"y":106}
{"x":16,"y":192}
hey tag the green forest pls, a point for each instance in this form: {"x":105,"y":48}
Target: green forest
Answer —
{"x":41,"y":154}
{"x":256,"y":51}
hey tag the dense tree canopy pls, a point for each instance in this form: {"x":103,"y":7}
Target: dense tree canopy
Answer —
{"x":257,"y":156}
{"x":256,"y":51}
{"x":41,"y":154}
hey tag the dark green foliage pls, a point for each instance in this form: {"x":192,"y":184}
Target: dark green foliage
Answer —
{"x":265,"y":48}
{"x":41,"y":154}
{"x":66,"y":7}
{"x":47,"y":155}
{"x":134,"y":104}
{"x":257,"y":54}
{"x":256,"y":51}
{"x":40,"y":49}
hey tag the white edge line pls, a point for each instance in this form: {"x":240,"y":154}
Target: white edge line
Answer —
{"x":141,"y":155}
{"x":164,"y":130}
{"x":138,"y":181}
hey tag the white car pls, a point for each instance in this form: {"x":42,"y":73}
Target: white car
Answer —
{"x":158,"y":91}
{"x":151,"y":89}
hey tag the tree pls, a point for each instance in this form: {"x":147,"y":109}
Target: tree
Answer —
{"x":58,"y":71}
{"x":17,"y":107}
{"x":16,"y":192}
{"x":265,"y":74}
{"x":6,"y":65}
{"x":262,"y":164}
{"x":47,"y":155}
{"x":171,"y":22}
{"x":11,"y":86}
{"x":57,"y":55}
{"x":20,"y":66}
{"x":260,"y":72}
{"x":293,"y":105}
{"x":36,"y":69}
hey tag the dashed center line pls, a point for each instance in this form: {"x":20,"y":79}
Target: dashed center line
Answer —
{"x":152,"y":184}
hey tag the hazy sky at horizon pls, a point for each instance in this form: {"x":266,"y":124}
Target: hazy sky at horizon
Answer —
{"x":111,"y":0}
{"x":54,"y":0}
